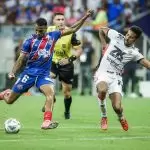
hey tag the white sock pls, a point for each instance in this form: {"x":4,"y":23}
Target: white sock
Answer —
{"x":102,"y":105}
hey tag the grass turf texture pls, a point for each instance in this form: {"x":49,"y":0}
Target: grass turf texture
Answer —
{"x":82,"y":131}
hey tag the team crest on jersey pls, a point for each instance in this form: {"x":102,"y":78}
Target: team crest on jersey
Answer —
{"x":43,"y":53}
{"x":20,"y":86}
{"x":120,"y":36}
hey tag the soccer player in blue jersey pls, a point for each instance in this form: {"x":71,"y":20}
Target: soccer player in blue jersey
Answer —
{"x":38,"y":52}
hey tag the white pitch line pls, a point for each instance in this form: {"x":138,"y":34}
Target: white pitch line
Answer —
{"x":85,"y":127}
{"x":77,"y":139}
{"x":95,"y":127}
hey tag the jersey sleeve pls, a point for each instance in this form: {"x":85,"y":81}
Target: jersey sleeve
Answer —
{"x":138,"y":56}
{"x":55,"y":35}
{"x":74,"y":40}
{"x":112,"y":34}
{"x":26,"y":46}
{"x":51,"y":28}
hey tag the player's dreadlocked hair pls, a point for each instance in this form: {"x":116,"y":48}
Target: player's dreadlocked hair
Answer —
{"x":137,"y":30}
{"x":41,"y":22}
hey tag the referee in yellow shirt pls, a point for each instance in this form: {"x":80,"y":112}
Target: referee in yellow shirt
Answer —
{"x":62,"y":62}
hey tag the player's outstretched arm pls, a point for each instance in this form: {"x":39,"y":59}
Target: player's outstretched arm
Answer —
{"x":145,"y":63}
{"x":88,"y":13}
{"x":102,"y":37}
{"x":17,"y":66}
{"x":103,"y":31}
{"x":78,"y":24}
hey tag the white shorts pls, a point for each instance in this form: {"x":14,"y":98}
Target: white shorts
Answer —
{"x":113,"y":80}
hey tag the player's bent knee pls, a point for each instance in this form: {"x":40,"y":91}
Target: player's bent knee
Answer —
{"x":102,"y":95}
{"x":67,"y":94}
{"x":102,"y":87}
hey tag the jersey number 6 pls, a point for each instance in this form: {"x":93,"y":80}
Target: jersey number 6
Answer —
{"x":25,"y":78}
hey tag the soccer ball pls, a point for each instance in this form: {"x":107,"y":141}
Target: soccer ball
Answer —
{"x":12,"y":125}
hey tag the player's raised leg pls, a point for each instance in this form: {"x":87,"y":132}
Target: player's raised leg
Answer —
{"x":117,"y":106}
{"x":22,"y":85}
{"x":48,"y":91}
{"x":102,"y":91}
{"x":3,"y":93}
{"x":9,"y":96}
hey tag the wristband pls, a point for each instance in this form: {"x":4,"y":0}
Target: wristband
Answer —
{"x":72,"y":58}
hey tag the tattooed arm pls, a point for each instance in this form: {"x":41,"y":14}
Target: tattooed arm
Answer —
{"x":17,"y":66}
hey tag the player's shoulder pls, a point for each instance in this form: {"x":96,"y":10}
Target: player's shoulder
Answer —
{"x":119,"y":36}
{"x":66,"y":27}
{"x":135,"y":49}
{"x":115,"y":35}
{"x":51,"y":28}
{"x":69,"y":35}
{"x":30,"y":38}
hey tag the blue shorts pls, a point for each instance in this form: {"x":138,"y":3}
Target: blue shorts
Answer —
{"x":26,"y":81}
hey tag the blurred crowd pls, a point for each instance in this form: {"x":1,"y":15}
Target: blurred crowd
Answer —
{"x":27,"y":11}
{"x":114,"y":13}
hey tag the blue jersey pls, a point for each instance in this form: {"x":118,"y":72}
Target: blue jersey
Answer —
{"x":40,"y":53}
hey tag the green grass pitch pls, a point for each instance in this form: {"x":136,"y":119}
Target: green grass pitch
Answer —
{"x":82,"y":131}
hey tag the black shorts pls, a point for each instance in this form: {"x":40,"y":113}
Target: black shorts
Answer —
{"x":65,"y":73}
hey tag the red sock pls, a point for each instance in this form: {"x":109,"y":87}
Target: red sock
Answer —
{"x":48,"y":115}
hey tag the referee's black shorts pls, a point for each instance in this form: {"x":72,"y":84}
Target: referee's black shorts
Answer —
{"x":64,"y":72}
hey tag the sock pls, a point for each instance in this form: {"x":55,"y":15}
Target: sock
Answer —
{"x":67,"y":103}
{"x":48,"y":115}
{"x":102,"y":105}
{"x":120,"y":116}
{"x":119,"y":113}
